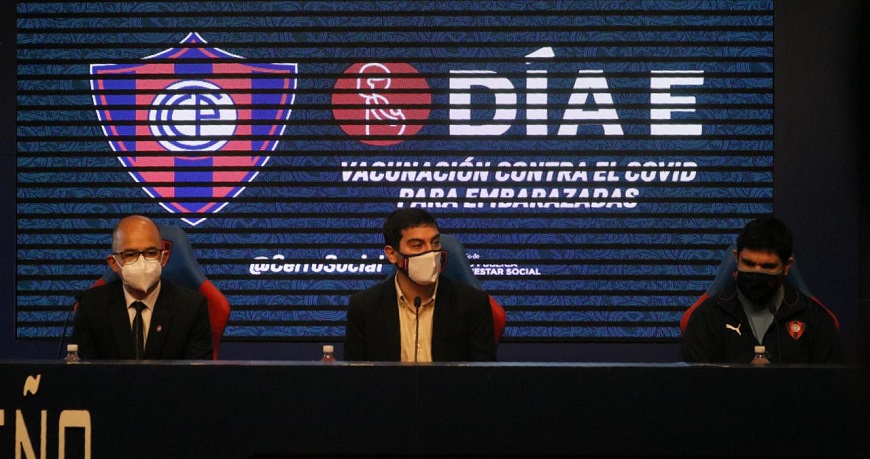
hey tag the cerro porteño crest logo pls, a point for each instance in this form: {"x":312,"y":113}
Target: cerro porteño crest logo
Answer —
{"x":193,"y":123}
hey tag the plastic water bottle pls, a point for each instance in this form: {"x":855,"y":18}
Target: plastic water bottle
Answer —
{"x":761,"y":357}
{"x":328,"y":354}
{"x":72,"y":354}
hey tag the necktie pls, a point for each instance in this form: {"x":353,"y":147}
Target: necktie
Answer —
{"x":139,"y":330}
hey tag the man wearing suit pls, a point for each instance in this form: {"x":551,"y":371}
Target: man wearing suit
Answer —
{"x":418,"y":315}
{"x":141,"y":316}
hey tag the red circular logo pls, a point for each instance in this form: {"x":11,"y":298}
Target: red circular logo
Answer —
{"x":378,"y":103}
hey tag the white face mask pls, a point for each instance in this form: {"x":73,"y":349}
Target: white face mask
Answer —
{"x":142,"y":274}
{"x":423,"y":269}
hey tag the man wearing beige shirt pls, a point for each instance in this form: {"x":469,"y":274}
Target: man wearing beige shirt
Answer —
{"x":418,"y":315}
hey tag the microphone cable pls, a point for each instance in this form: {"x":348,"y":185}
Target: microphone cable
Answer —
{"x":66,"y":323}
{"x":417,"y":302}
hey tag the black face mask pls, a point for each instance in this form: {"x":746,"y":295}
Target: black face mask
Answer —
{"x":757,"y":287}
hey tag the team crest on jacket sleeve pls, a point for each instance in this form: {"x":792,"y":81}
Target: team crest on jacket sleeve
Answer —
{"x":193,"y":124}
{"x":796,"y":329}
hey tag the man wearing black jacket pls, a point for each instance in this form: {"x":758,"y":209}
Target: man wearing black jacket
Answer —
{"x":758,"y":308}
{"x":141,"y":316}
{"x":418,"y":315}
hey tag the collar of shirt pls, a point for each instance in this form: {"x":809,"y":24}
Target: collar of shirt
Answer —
{"x":408,"y":326}
{"x":410,"y":305}
{"x":150,"y":301}
{"x":760,"y":317}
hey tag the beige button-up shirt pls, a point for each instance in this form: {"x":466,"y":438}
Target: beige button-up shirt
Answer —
{"x":408,"y":326}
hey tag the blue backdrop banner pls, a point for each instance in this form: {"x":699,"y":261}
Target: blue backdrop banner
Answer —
{"x":594,"y":157}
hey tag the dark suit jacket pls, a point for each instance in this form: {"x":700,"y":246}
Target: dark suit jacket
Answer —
{"x":179,"y":330}
{"x":461,"y":326}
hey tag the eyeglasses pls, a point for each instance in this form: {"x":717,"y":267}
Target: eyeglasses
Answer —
{"x":131,"y":256}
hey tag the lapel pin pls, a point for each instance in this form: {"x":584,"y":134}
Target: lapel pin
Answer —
{"x":159,"y":328}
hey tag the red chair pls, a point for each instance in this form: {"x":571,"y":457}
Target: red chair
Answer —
{"x":725,"y":276}
{"x":458,"y":269}
{"x":183,"y":269}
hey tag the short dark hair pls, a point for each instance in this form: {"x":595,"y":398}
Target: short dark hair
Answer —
{"x":766,"y":233}
{"x":402,"y":219}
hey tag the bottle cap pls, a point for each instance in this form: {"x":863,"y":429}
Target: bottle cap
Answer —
{"x":327,"y":348}
{"x":760,"y":349}
{"x":72,"y":347}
